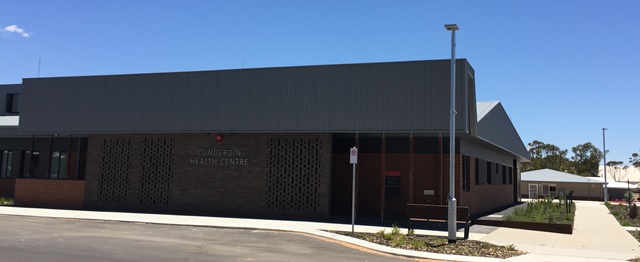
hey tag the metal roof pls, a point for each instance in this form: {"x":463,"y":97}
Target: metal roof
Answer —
{"x":549,"y":175}
{"x":495,"y":127}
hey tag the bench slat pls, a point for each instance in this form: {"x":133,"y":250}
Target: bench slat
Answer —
{"x":437,"y":213}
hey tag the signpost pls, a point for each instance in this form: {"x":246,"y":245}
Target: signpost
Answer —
{"x":353,"y":159}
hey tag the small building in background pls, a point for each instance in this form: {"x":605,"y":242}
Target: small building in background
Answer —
{"x":548,"y":182}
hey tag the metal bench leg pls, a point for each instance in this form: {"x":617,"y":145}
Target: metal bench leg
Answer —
{"x":466,"y":231}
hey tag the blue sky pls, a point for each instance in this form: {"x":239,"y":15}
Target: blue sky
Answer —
{"x":562,"y":69}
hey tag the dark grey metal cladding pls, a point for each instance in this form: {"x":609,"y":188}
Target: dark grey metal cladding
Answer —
{"x":395,"y":96}
{"x":496,"y":127}
{"x":4,"y":91}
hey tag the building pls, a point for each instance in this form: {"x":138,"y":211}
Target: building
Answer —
{"x":617,"y":190}
{"x":265,"y":142}
{"x":548,"y":182}
{"x":621,"y":174}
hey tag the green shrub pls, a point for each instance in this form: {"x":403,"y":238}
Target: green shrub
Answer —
{"x":543,"y":210}
{"x":628,"y":195}
{"x":395,"y":230}
{"x":5,"y":201}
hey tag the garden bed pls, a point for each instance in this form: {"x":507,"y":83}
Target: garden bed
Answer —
{"x":539,"y":214}
{"x":435,"y":244}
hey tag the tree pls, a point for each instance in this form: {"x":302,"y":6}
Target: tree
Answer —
{"x":617,"y":171}
{"x":635,"y":160}
{"x":586,"y":159}
{"x":547,"y":156}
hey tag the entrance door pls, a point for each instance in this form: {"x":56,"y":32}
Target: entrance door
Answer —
{"x":533,"y":190}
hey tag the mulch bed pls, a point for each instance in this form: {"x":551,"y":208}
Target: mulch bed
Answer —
{"x":438,"y":245}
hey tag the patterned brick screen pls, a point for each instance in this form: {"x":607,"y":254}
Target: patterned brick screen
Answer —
{"x":156,"y":171}
{"x":115,"y":169}
{"x":293,"y":179}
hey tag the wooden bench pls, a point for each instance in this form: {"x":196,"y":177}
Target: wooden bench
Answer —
{"x":437,"y":213}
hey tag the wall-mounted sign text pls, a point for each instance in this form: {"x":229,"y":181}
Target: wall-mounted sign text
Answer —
{"x":219,"y":157}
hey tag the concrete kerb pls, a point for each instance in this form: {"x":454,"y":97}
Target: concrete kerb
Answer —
{"x":632,"y":228}
{"x":240,"y":223}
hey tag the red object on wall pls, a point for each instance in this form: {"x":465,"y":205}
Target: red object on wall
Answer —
{"x":219,"y":138}
{"x":391,"y":173}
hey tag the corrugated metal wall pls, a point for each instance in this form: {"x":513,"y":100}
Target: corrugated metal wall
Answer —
{"x":396,"y":96}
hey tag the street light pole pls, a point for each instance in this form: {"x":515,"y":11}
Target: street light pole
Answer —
{"x":452,"y":139}
{"x":604,"y":149}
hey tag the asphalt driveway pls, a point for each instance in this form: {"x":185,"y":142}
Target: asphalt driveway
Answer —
{"x":58,"y":239}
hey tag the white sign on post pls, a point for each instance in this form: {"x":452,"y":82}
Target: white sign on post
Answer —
{"x":353,"y":153}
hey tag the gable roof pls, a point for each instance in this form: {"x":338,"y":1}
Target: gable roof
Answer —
{"x":495,"y":126}
{"x":550,"y":175}
{"x":484,"y":107}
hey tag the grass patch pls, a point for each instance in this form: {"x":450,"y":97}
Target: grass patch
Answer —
{"x":544,"y":211}
{"x":621,"y":213}
{"x":436,"y":244}
{"x":5,"y":201}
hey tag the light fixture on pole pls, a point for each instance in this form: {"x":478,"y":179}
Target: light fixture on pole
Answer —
{"x":604,"y":154}
{"x":452,"y":139}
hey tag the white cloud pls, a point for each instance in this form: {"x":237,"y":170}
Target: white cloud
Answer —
{"x":17,"y":30}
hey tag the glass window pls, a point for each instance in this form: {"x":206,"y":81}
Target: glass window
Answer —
{"x":58,"y":165}
{"x":545,"y":189}
{"x":6,"y":164}
{"x":504,"y":175}
{"x":34,"y":166}
{"x":489,"y":174}
{"x":55,"y":162}
{"x":477,"y":171}
{"x":465,"y":173}
{"x":63,"y":165}
{"x":511,"y":175}
{"x":13,"y":103}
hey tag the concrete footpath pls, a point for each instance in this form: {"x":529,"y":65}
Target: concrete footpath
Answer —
{"x":597,"y":235}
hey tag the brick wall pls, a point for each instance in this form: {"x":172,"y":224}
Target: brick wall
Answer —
{"x":427,"y":176}
{"x":267,"y":183}
{"x":7,"y":187}
{"x":483,"y":197}
{"x":49,"y":193}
